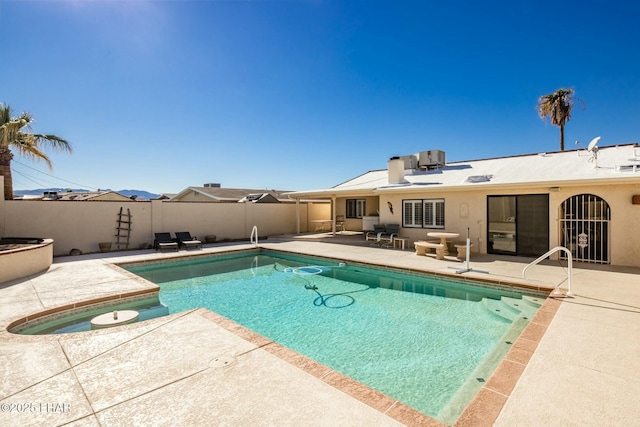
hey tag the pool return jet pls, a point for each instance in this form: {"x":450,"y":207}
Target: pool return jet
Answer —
{"x":467,"y":267}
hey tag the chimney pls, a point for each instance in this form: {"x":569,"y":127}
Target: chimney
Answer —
{"x":396,"y":171}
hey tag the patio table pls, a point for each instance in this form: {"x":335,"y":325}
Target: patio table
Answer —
{"x":400,"y":242}
{"x":321,"y":222}
{"x":443,"y":236}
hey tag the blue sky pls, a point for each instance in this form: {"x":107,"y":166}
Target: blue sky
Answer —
{"x":160,"y":95}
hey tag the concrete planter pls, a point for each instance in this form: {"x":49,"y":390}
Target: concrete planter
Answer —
{"x":105,"y":246}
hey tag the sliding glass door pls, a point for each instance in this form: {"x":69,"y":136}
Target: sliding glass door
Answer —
{"x":518,"y":225}
{"x":502,"y":224}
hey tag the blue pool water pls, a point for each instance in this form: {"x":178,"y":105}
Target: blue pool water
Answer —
{"x":427,"y":342}
{"x":81,"y":320}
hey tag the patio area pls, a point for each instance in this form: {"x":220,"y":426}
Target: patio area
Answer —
{"x":577,"y":364}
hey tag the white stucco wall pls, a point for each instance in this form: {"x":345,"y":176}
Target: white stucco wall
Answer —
{"x":469,"y":209}
{"x":82,"y":225}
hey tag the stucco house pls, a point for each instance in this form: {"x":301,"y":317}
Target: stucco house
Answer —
{"x":100,"y":195}
{"x":216,"y":193}
{"x":587,"y":200}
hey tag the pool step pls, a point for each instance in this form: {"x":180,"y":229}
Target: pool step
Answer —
{"x":534,"y":301}
{"x":511,"y":309}
{"x":501,"y":309}
{"x":526,"y":307}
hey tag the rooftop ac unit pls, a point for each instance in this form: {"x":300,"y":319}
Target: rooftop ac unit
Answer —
{"x":410,"y":161}
{"x":431,"y":159}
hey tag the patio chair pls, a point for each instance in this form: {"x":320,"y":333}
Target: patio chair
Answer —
{"x":378,"y":230}
{"x":386,"y":239}
{"x":184,"y":239}
{"x":340,"y":222}
{"x":164,"y":241}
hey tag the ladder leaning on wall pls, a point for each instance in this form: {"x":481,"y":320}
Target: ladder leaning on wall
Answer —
{"x":123,"y":228}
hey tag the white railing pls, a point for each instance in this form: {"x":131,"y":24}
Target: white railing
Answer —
{"x":254,"y":235}
{"x":254,"y":266}
{"x":569,"y":268}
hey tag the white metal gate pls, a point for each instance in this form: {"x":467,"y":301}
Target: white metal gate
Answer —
{"x":584,"y":228}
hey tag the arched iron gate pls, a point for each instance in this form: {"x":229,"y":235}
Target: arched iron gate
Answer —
{"x":584,"y":228}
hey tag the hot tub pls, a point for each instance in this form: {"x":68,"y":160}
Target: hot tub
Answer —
{"x":24,"y":256}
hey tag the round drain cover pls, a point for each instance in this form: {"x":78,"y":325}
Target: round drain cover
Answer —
{"x":221,"y":361}
{"x":115,"y":318}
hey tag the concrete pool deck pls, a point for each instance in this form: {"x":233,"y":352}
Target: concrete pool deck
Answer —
{"x":197,"y":368}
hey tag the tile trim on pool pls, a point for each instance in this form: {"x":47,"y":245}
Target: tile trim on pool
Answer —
{"x":485,"y":407}
{"x":373,"y":398}
{"x":482,"y":410}
{"x":495,"y":283}
{"x":54,"y":313}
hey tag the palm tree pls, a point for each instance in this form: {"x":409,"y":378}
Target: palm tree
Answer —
{"x":557,"y":107}
{"x":15,"y":133}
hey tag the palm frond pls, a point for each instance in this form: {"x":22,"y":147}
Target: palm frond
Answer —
{"x":54,"y":142}
{"x":28,"y":147}
{"x":10,"y":131}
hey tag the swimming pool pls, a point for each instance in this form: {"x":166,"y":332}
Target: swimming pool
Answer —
{"x":426,"y":341}
{"x":79,"y":320}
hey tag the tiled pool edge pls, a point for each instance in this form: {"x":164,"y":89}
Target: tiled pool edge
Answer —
{"x":485,"y":407}
{"x":373,"y":398}
{"x":501,"y":283}
{"x":52,"y":313}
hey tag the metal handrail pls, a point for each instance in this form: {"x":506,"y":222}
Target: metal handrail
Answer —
{"x":254,"y":235}
{"x":569,"y":268}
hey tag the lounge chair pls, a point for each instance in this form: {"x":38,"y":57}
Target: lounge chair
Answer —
{"x":378,"y":230}
{"x":164,"y":241}
{"x":386,"y":239}
{"x":383,"y":234}
{"x":184,"y":239}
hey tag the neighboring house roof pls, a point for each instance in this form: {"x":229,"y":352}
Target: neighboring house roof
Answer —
{"x":166,"y":196}
{"x":614,"y":164}
{"x":259,"y":198}
{"x":217,"y":194}
{"x":88,"y":195}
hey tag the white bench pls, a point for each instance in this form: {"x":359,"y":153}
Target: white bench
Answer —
{"x":422,"y":247}
{"x":462,"y":250}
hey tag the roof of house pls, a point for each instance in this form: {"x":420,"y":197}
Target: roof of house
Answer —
{"x":218,"y":194}
{"x":86,"y":195}
{"x":259,"y":198}
{"x":614,"y":164}
{"x":166,"y":196}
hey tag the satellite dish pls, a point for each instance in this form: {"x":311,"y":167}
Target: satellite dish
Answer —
{"x":593,"y":149}
{"x":592,"y":144}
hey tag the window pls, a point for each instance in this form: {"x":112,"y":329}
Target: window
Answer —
{"x":412,"y":213}
{"x":355,"y":208}
{"x":423,"y":213}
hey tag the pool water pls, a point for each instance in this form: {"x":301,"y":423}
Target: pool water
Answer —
{"x":425,"y":341}
{"x":81,"y":320}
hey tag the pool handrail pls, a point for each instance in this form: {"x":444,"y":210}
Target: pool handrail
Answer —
{"x":254,"y":235}
{"x":569,"y":267}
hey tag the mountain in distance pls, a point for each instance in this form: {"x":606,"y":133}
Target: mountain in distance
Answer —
{"x":141,"y":194}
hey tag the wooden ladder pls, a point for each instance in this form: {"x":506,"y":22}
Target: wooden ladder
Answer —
{"x":123,"y":228}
